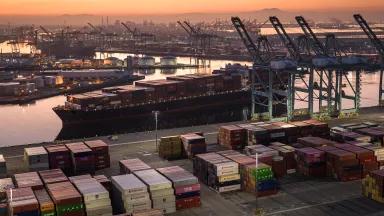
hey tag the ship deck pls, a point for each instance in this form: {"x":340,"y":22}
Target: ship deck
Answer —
{"x":298,"y":195}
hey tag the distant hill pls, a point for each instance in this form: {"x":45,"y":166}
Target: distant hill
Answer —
{"x":261,"y":15}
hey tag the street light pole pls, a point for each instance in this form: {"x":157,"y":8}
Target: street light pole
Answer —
{"x":156,"y":121}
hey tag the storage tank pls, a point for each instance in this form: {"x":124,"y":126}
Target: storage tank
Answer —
{"x":168,"y":61}
{"x":147,"y":61}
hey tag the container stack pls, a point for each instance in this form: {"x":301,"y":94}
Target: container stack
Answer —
{"x":46,"y":206}
{"x":315,"y":142}
{"x":366,"y":157}
{"x":96,"y":198}
{"x":5,"y":184}
{"x":276,"y":132}
{"x":30,"y":179}
{"x":262,"y":176}
{"x":36,"y":158}
{"x":257,"y":135}
{"x":193,"y":144}
{"x":373,"y":185}
{"x":130,"y":194}
{"x":60,"y":158}
{"x":378,"y":151}
{"x":288,"y":159}
{"x":100,"y":152}
{"x":82,"y":158}
{"x":52,"y":176}
{"x":22,"y":201}
{"x":3,"y":167}
{"x":375,"y":134}
{"x":242,"y":160}
{"x":311,"y":162}
{"x":344,"y":165}
{"x":160,"y":190}
{"x":264,"y":154}
{"x":186,"y":186}
{"x":291,"y":131}
{"x":131,"y":165}
{"x":232,"y":137}
{"x":171,"y":147}
{"x":217,"y":172}
{"x":303,"y":129}
{"x":66,"y":198}
{"x":319,"y":128}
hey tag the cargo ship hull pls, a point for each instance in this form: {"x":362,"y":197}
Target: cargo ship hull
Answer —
{"x":170,"y":108}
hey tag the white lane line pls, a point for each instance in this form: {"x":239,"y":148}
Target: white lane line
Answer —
{"x":119,"y":144}
{"x":303,"y":207}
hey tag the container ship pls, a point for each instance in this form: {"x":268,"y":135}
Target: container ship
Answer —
{"x":171,"y":97}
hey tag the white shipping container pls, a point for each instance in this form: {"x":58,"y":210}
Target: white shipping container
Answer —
{"x":153,"y":179}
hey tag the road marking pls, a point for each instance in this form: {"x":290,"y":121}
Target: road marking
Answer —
{"x":120,"y":144}
{"x":303,"y":207}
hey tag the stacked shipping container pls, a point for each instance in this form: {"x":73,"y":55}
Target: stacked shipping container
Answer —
{"x":30,"y":179}
{"x":232,"y":136}
{"x":82,"y":158}
{"x":46,"y":205}
{"x":185,"y":185}
{"x":217,"y":172}
{"x":131,"y":165}
{"x":130,"y":194}
{"x":59,"y":158}
{"x":22,"y":201}
{"x":36,"y":158}
{"x":160,"y":190}
{"x":193,"y":144}
{"x":311,"y":162}
{"x":100,"y":152}
{"x":96,"y":198}
{"x":373,"y":185}
{"x":67,"y":199}
{"x":171,"y":147}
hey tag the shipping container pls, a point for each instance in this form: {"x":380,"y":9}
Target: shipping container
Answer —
{"x":131,"y":165}
{"x":36,"y":158}
{"x":130,"y":194}
{"x":95,"y":197}
{"x":193,"y":144}
{"x":100,"y":152}
{"x":22,"y":201}
{"x":29,"y":179}
{"x":67,"y":199}
{"x":160,"y":189}
{"x":59,"y":158}
{"x":83,"y":160}
{"x":185,"y":185}
{"x":52,"y":176}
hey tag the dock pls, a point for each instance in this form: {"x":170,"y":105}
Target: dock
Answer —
{"x":298,"y":195}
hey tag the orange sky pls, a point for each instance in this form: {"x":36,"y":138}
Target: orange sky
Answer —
{"x":126,"y":7}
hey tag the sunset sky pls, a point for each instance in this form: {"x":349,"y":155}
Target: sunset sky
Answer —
{"x":124,"y":7}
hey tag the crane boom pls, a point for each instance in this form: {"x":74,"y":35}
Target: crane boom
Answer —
{"x":247,"y":40}
{"x":317,"y":46}
{"x":129,"y":29}
{"x":285,"y":38}
{"x":192,"y":29}
{"x":370,"y":33}
{"x":185,"y":28}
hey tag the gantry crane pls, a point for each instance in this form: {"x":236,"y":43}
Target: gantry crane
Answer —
{"x":331,"y":62}
{"x":379,"y":46}
{"x":267,"y":85}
